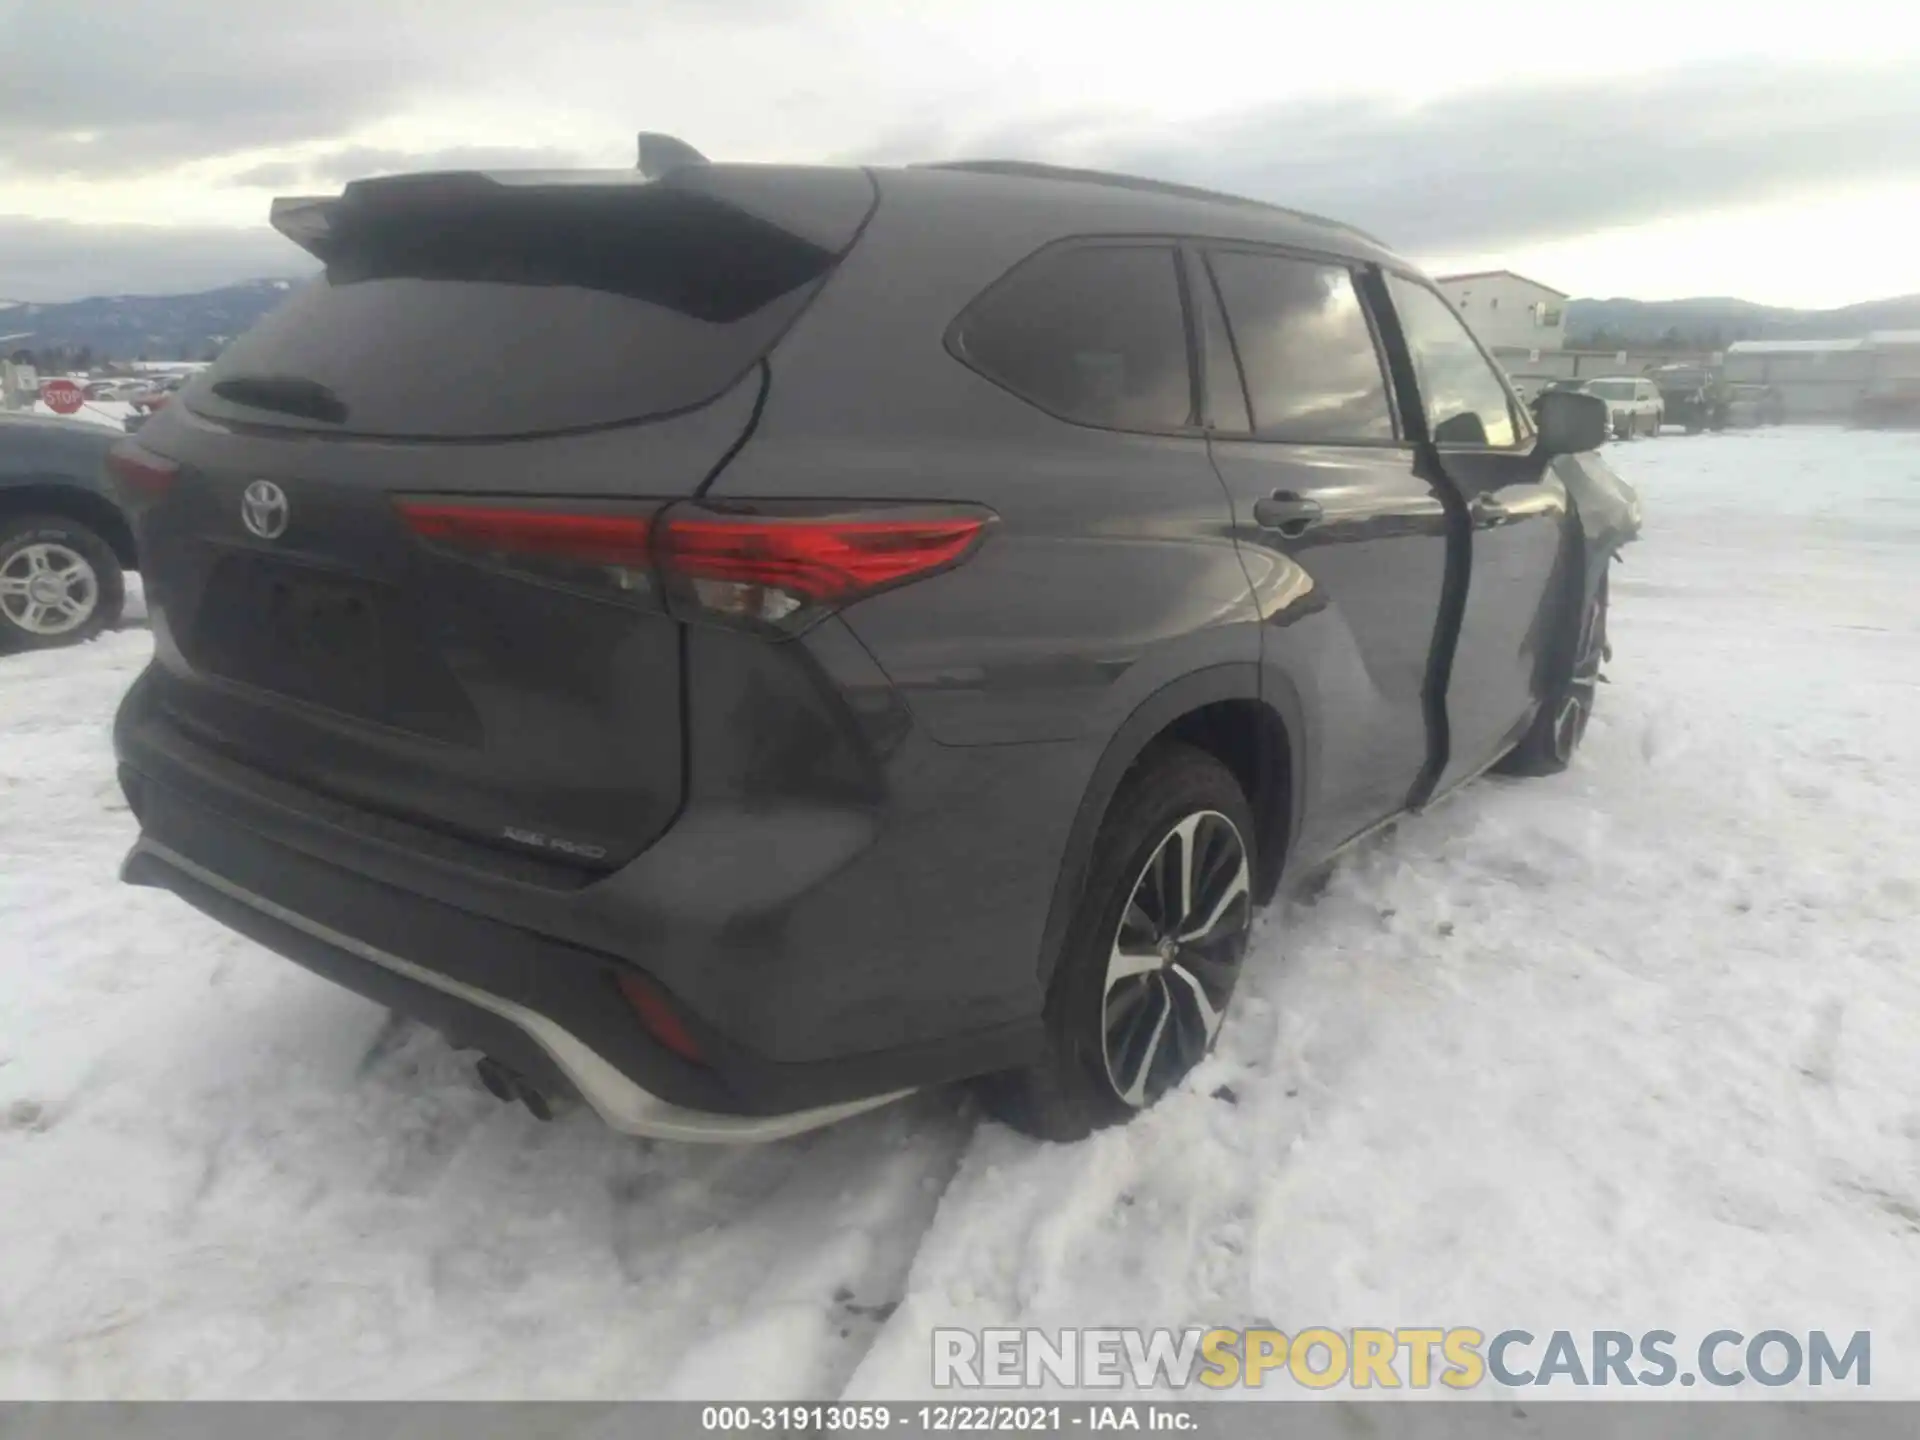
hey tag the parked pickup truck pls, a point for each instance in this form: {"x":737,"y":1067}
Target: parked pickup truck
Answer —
{"x":1694,"y":395}
{"x":1635,"y":404}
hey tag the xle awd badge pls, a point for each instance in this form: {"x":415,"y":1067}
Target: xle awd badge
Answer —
{"x":263,"y":509}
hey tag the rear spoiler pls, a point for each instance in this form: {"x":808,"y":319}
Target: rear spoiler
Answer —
{"x":309,"y":220}
{"x":660,"y":154}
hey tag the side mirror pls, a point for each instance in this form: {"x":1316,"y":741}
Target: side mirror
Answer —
{"x":1570,"y":422}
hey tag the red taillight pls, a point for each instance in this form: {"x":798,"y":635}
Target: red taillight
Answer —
{"x":659,"y":1018}
{"x":140,"y":474}
{"x":589,"y":539}
{"x":604,"y":552}
{"x":818,"y":559}
{"x":772,"y":567}
{"x":769,"y":569}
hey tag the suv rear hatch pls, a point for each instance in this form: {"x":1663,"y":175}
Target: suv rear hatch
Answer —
{"x":396,"y":537}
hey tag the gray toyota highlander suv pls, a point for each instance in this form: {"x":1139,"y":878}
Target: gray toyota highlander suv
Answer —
{"x":736,"y":644}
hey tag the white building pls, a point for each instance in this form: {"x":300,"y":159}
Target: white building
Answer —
{"x":1825,"y":379}
{"x":1508,"y":311}
{"x":1897,"y":354}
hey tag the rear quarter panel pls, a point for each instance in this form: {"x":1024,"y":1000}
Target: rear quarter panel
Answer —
{"x":1109,"y":574}
{"x":1111,"y":569}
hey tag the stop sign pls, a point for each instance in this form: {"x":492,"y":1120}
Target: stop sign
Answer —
{"x":63,"y":397}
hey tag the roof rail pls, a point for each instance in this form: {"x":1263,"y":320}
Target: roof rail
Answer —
{"x":659,"y":154}
{"x":1034,"y":170}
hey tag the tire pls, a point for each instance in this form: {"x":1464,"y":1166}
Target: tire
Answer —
{"x":1166,"y":999}
{"x":1653,"y":425}
{"x":59,"y":583}
{"x":1550,"y":742}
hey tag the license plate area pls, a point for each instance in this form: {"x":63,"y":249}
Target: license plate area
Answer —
{"x":297,"y":630}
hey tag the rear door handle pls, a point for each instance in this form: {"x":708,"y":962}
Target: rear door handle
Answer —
{"x":1288,"y":513}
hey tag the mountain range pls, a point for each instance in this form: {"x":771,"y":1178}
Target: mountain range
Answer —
{"x":151,"y":327}
{"x":1631,"y":321}
{"x":191,"y":327}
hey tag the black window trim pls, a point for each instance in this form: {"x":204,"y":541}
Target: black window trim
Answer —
{"x":1196,"y":362}
{"x":1169,"y":244}
{"x":1356,"y":274}
{"x":1193,"y":264}
{"x":1526,"y":437}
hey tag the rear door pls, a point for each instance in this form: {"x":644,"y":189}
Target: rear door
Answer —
{"x":1482,"y":444}
{"x":1345,"y":541}
{"x":404,"y":562}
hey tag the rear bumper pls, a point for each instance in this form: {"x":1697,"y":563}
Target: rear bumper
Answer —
{"x":539,"y":1047}
{"x":824,"y":956}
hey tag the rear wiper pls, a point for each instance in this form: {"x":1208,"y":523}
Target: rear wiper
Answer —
{"x":287,"y":394}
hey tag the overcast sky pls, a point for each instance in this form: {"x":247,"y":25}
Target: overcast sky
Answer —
{"x":1655,"y":150}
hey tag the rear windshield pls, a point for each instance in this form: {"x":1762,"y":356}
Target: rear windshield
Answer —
{"x":476,"y":309}
{"x":1611,"y":389}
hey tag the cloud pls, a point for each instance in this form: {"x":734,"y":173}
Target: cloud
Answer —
{"x":1506,"y":165}
{"x":334,"y":168}
{"x":303,"y":96}
{"x":104,"y":89}
{"x":51,"y":260}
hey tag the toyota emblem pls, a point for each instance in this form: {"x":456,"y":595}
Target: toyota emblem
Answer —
{"x":264,"y":509}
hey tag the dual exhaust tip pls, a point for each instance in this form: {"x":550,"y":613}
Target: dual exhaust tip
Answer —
{"x":507,"y":1085}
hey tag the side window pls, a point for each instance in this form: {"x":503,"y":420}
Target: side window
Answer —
{"x":1091,"y":333}
{"x":1313,"y":371}
{"x":1465,"y":402}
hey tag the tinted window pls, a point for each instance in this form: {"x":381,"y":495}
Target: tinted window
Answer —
{"x":1465,"y":402}
{"x":1313,"y":374}
{"x":519,"y":310}
{"x":1093,"y":333}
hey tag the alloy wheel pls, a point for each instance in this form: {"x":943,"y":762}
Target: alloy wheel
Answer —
{"x":1176,"y":956}
{"x":48,"y":589}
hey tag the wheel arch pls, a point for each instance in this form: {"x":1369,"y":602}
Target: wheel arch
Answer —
{"x":1583,"y":566}
{"x":1219,"y":710}
{"x":73,"y":502}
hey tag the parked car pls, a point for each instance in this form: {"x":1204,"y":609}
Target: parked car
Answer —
{"x":1635,"y":404}
{"x":64,"y":542}
{"x":906,"y":658}
{"x":1695,"y":396}
{"x":148,"y":399}
{"x":1753,"y":405}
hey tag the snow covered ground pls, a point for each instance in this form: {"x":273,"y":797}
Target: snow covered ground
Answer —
{"x":1634,"y":1047}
